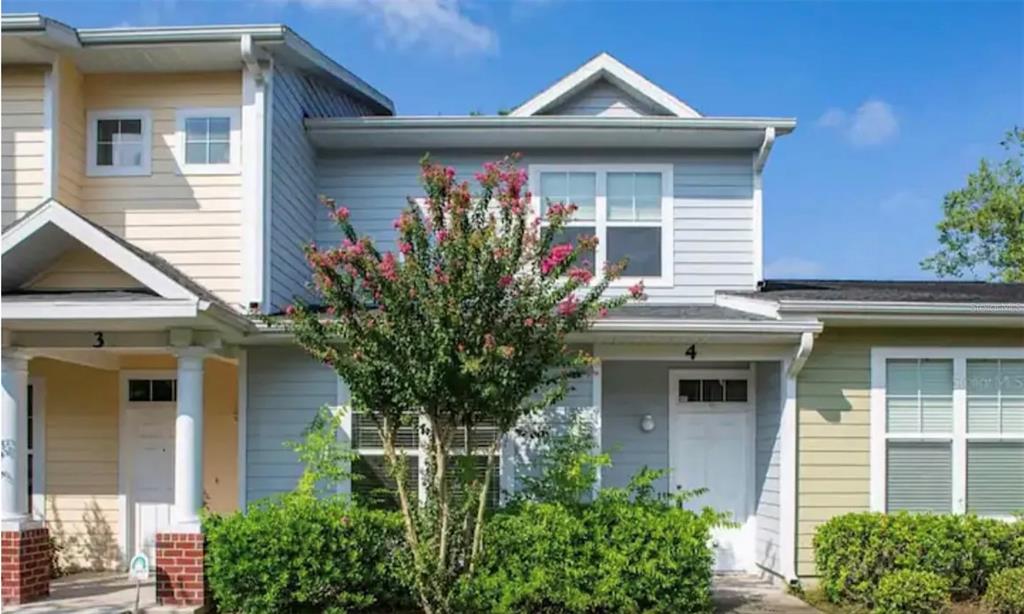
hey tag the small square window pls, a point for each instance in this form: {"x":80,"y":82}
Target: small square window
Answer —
{"x":139,"y":390}
{"x":163,"y":390}
{"x":206,"y":140}
{"x":736,"y":390}
{"x":712,"y":391}
{"x":689,"y":390}
{"x":118,"y":143}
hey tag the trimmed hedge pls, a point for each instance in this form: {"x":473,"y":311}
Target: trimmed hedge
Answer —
{"x":854,"y":552}
{"x":912,"y":592}
{"x":614,"y":555}
{"x":302,"y":554}
{"x":1005,"y":594}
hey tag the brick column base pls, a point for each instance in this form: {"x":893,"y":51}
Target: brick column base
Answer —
{"x":179,"y":570}
{"x":25,"y":560}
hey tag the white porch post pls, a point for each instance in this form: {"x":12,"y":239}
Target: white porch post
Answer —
{"x":14,"y":424}
{"x":188,"y":440}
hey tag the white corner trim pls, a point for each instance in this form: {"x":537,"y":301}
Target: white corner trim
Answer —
{"x":601,"y":222}
{"x":234,"y":165}
{"x":344,"y":435}
{"x":598,"y":417}
{"x":98,"y":241}
{"x":255,"y":170}
{"x":620,"y":74}
{"x":242,"y":444}
{"x":788,"y":475}
{"x":91,"y":166}
{"x":51,"y":122}
{"x":757,"y":201}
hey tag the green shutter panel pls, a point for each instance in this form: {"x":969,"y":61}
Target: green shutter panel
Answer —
{"x":919,"y":476}
{"x":995,"y":477}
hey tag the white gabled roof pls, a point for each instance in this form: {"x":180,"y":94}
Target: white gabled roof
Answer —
{"x":604,"y":66}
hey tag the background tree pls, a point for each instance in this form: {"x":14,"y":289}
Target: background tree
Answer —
{"x":983,"y":223}
{"x":466,"y":325}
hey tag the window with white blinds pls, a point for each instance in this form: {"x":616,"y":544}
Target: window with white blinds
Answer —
{"x":376,"y":487}
{"x":951,"y":431}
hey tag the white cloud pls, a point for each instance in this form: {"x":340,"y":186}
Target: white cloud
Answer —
{"x":793,"y":267}
{"x":441,"y":25}
{"x":872,"y":123}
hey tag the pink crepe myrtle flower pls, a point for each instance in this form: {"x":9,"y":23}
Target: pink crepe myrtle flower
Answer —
{"x":581,"y":275}
{"x":405,"y":248}
{"x":505,"y":281}
{"x":441,"y":235}
{"x":289,"y":310}
{"x":637,"y":290}
{"x":528,"y":322}
{"x":602,"y":312}
{"x":387,"y":267}
{"x":555,"y":257}
{"x":568,"y":306}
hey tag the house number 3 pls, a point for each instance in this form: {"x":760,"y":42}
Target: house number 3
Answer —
{"x":98,"y":341}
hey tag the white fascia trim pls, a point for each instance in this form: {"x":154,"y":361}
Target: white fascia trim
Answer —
{"x":96,"y":240}
{"x":100,"y":310}
{"x":234,"y":166}
{"x":708,"y":326}
{"x":901,"y":308}
{"x":764,"y":308}
{"x":604,"y":65}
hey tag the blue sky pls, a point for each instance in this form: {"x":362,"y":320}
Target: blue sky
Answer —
{"x":896,"y":102}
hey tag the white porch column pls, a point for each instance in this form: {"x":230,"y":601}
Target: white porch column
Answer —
{"x":188,"y":440}
{"x":14,"y":426}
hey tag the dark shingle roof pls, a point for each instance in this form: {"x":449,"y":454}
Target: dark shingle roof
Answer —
{"x":888,"y":291}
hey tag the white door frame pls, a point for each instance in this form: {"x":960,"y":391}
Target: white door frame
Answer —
{"x":126,"y":452}
{"x":748,"y":409}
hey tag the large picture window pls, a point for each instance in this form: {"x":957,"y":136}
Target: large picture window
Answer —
{"x":627,"y":207}
{"x":948,"y":430}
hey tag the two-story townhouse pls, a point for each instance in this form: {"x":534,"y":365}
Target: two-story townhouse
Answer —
{"x":138,"y":170}
{"x":150,"y":393}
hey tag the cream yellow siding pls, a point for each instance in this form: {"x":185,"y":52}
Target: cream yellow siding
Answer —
{"x":82,"y":269}
{"x":71,"y":134}
{"x":82,"y":416}
{"x":22,"y":179}
{"x":193,"y":221}
{"x":833,"y":397}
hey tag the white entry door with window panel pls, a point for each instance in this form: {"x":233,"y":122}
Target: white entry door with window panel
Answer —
{"x":149,"y":416}
{"x":711,"y":441}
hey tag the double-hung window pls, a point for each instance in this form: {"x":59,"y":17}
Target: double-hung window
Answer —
{"x":209,"y":141}
{"x":948,"y":430}
{"x":119,"y":142}
{"x":628,"y":207}
{"x":374,"y":485}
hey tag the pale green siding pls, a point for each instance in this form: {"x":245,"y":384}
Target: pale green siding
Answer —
{"x":833,"y":397}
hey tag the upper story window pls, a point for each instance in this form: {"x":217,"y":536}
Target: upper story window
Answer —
{"x":119,"y":142}
{"x":208,"y":141}
{"x":628,"y":207}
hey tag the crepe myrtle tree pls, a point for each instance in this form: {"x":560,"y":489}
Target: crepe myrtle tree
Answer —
{"x":466,"y":325}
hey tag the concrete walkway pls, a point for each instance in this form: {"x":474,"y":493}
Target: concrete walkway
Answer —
{"x":91,"y":593}
{"x":743,"y":594}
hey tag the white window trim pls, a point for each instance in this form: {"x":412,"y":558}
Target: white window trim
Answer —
{"x":959,"y":436}
{"x":94,"y":170}
{"x":600,"y":222}
{"x":234,"y":166}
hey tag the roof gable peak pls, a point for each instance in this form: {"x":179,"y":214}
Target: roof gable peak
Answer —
{"x":604,"y":66}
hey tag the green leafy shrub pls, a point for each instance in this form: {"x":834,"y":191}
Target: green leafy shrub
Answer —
{"x":1005,"y":594}
{"x":302,"y":554}
{"x":628,"y":551}
{"x":912,"y":592}
{"x":854,"y":552}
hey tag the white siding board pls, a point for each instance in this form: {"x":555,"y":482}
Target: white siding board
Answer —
{"x":713,"y":213}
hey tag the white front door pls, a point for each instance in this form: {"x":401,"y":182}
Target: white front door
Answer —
{"x":711,"y":446}
{"x":152,"y":460}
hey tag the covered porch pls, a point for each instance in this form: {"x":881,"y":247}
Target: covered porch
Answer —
{"x":119,"y":416}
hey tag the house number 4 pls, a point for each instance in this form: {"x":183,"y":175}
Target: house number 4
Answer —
{"x":692,"y":352}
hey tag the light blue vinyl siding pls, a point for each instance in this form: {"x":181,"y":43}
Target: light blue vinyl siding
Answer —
{"x":631,"y":390}
{"x":714,"y":224}
{"x":285,"y":388}
{"x":601,"y":98}
{"x":768,"y":445}
{"x":293,"y":189}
